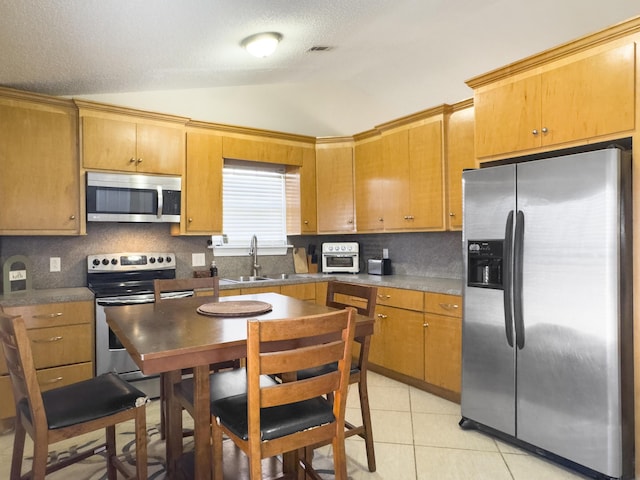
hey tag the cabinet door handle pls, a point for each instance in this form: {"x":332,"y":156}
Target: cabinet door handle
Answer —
{"x":382,"y":316}
{"x":425,"y":324}
{"x":451,"y":214}
{"x":49,"y":340}
{"x":306,"y":222}
{"x":48,"y":315}
{"x":51,"y":380}
{"x":545,"y":130}
{"x":449,"y":306}
{"x":190,"y":219}
{"x":132,"y":160}
{"x":384,"y":296}
{"x":534,"y":131}
{"x":139,"y":161}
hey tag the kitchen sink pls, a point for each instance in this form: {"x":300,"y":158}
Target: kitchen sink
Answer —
{"x":251,"y":278}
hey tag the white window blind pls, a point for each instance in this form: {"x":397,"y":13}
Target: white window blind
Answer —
{"x":254,"y":202}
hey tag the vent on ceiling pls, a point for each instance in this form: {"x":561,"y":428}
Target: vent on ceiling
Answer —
{"x":319,"y":48}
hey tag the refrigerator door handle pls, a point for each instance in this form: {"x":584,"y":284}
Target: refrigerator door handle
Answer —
{"x":517,"y":279}
{"x":506,"y":278}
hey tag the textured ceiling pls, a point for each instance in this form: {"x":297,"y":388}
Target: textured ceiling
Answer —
{"x":388,"y":58}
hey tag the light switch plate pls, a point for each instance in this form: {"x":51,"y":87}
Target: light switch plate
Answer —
{"x":54,"y":264}
{"x":197,"y":260}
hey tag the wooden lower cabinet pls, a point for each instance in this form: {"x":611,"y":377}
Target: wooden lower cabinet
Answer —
{"x":62,"y":341}
{"x":417,"y":340}
{"x":302,"y":291}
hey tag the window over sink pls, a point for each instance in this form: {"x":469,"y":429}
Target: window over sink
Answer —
{"x":254,"y":203}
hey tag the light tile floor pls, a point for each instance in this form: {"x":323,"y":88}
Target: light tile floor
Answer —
{"x":417,"y":438}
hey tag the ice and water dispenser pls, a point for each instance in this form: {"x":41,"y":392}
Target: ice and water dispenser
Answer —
{"x":484,"y":258}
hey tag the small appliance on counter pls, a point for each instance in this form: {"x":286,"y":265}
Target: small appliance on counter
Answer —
{"x":379,"y":266}
{"x":340,"y":257}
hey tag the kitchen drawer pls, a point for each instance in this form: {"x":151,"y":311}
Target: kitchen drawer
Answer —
{"x":303,"y":291}
{"x":56,"y":346}
{"x":443,"y":304}
{"x":400,"y":298}
{"x":252,"y":290}
{"x":49,"y":314}
{"x":48,"y":379}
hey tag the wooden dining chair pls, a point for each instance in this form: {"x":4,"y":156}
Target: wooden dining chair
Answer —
{"x":69,"y":411}
{"x":161,"y":286}
{"x":363,"y":297}
{"x":265,"y":418}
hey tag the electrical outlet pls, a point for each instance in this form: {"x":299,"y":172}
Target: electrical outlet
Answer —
{"x":385,"y":253}
{"x":54,"y":264}
{"x":197,"y":260}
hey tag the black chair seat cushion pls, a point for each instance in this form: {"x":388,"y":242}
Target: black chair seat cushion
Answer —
{"x":223,"y":384}
{"x":87,"y":400}
{"x":322,"y":369}
{"x":275,"y":422}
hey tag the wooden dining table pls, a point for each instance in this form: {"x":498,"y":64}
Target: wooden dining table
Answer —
{"x":167,"y":337}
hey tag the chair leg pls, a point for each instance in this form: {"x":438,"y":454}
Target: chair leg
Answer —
{"x":366,"y":422}
{"x":40,"y":457}
{"x":141,"y":442}
{"x":216,"y":460}
{"x":110,"y":434}
{"x":18,"y":449}
{"x":339,"y":458}
{"x":163,"y":404}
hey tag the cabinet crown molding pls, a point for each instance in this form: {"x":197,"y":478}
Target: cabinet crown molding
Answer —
{"x":609,"y":34}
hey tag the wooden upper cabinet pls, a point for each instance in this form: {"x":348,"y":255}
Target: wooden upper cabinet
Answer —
{"x":203,"y":184}
{"x":308,"y":199}
{"x":40,"y":172}
{"x":334,"y":183}
{"x":460,"y":156}
{"x":413,"y":172}
{"x":261,"y":149}
{"x":368,"y":185}
{"x":129,"y":146}
{"x":561,"y":103}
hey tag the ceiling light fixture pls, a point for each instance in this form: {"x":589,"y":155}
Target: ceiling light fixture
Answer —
{"x":262,"y":44}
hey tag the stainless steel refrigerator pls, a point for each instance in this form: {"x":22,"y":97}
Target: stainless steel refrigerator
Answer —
{"x":547,"y":357}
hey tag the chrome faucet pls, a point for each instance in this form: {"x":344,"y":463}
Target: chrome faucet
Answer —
{"x":253,"y":250}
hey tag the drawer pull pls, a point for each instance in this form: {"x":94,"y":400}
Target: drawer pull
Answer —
{"x":49,"y":315}
{"x":449,"y":306}
{"x":425,"y":324}
{"x":382,"y":316}
{"x":49,"y":340}
{"x":51,"y":380}
{"x":384,"y":296}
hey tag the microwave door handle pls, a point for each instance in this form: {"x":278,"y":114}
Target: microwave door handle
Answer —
{"x":160,"y":201}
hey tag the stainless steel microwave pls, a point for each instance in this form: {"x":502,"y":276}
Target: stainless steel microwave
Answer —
{"x":126,"y":197}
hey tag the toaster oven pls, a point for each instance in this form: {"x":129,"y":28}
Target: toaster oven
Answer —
{"x":340,"y":257}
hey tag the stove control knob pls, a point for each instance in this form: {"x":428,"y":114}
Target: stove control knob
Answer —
{"x":152,"y":260}
{"x":96,"y":262}
{"x":114,"y":261}
{"x":105,"y":261}
{"x":160,"y":259}
{"x":168,"y":259}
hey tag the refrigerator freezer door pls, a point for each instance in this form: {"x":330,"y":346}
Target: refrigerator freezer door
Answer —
{"x":488,"y":361}
{"x":568,"y":369}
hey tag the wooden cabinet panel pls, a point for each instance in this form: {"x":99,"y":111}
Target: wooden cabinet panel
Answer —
{"x":303,"y":291}
{"x":203,"y":184}
{"x":334,"y":182}
{"x":61,"y":345}
{"x":132,"y":145}
{"x":265,"y":289}
{"x":443,"y":351}
{"x":40,"y":179}
{"x":443,"y":304}
{"x":402,"y":331}
{"x":369,"y":183}
{"x":460,"y":156}
{"x":258,"y":149}
{"x":230,"y":292}
{"x":321,"y":293}
{"x":395,"y":158}
{"x":400,"y":298}
{"x":308,"y":198}
{"x":589,"y":97}
{"x":54,"y":314}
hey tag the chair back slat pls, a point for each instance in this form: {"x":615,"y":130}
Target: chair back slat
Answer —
{"x":164,"y":285}
{"x":16,"y":346}
{"x":308,"y":335}
{"x":361,"y":297}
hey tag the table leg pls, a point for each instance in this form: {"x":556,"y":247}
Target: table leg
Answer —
{"x":202,"y":422}
{"x":173,"y":422}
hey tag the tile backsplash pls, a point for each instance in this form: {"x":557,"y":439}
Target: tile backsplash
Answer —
{"x":436,"y":254}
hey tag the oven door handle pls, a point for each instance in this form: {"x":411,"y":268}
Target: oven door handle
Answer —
{"x":121,"y":302}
